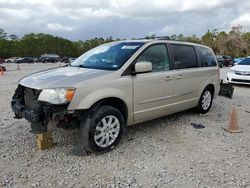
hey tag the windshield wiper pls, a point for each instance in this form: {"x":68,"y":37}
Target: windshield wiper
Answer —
{"x":84,"y":66}
{"x":68,"y":65}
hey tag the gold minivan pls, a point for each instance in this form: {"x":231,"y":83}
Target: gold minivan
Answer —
{"x":116,"y":85}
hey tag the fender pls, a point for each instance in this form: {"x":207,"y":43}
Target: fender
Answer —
{"x":89,"y":100}
{"x":205,"y":84}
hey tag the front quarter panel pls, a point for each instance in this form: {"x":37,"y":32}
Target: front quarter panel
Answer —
{"x":90,"y":93}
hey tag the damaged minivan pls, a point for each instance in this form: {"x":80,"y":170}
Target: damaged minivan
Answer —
{"x":116,"y":85}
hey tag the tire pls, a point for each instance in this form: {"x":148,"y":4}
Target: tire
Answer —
{"x":93,"y":136}
{"x":205,"y":101}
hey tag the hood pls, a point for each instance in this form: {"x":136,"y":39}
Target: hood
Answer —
{"x":61,"y":77}
{"x":241,"y":68}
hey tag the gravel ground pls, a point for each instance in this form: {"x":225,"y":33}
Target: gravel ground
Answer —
{"x":166,"y":152}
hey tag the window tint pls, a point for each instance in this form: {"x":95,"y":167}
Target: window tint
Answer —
{"x":157,"y":55}
{"x":184,"y":56}
{"x":245,"y":62}
{"x":206,"y":57}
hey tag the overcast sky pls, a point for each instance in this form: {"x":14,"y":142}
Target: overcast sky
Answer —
{"x":84,"y":19}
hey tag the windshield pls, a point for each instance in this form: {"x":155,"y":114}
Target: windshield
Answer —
{"x":245,"y":62}
{"x":110,"y":56}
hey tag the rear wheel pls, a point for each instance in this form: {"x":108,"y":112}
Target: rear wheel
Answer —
{"x":205,"y":101}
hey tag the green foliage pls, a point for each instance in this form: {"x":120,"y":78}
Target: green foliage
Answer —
{"x":3,"y":34}
{"x":234,"y":43}
{"x":34,"y":45}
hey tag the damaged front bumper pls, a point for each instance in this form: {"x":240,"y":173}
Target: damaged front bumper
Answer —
{"x":25,"y":104}
{"x":21,"y":112}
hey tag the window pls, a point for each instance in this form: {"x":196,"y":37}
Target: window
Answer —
{"x":184,"y":56}
{"x":157,"y":55}
{"x":245,"y":62}
{"x":110,"y":56}
{"x":206,"y":57}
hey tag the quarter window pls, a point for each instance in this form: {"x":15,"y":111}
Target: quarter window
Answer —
{"x":207,"y":58}
{"x":184,"y":56}
{"x":157,"y":55}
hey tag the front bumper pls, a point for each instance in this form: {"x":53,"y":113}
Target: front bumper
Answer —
{"x":238,"y":79}
{"x":21,"y":112}
{"x":25,"y":104}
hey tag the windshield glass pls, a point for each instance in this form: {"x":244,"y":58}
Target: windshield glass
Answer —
{"x":245,"y":62}
{"x":109,"y":56}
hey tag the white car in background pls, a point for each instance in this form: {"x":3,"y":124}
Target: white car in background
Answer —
{"x":12,"y":59}
{"x":237,"y":60}
{"x":240,"y":74}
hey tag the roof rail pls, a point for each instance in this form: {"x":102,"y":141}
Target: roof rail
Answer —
{"x":155,"y":37}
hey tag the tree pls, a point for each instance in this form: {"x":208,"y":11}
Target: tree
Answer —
{"x":220,"y":42}
{"x":193,"y":39}
{"x":234,"y":43}
{"x":208,"y":39}
{"x":246,"y":38}
{"x":3,"y":34}
{"x":180,"y":37}
{"x":13,"y":37}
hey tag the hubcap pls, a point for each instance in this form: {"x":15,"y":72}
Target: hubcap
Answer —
{"x":107,"y":131}
{"x":206,"y":100}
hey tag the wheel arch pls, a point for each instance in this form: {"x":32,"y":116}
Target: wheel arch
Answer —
{"x":212,"y":87}
{"x":115,"y":102}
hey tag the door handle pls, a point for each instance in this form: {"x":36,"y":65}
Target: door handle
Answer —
{"x":179,"y":77}
{"x":167,"y":78}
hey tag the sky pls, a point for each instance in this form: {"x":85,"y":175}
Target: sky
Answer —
{"x":85,"y":19}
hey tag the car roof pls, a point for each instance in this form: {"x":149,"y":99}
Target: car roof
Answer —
{"x":153,"y":41}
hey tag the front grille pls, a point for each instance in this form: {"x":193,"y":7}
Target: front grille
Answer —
{"x":30,"y":95}
{"x":242,"y":73}
{"x":239,"y":80}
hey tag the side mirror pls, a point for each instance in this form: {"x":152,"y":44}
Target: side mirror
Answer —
{"x":143,"y":66}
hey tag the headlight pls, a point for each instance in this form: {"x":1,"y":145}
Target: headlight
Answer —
{"x":231,"y":71}
{"x":57,"y":95}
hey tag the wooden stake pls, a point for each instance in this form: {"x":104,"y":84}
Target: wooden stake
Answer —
{"x":44,"y":140}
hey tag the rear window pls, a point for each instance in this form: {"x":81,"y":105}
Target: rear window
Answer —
{"x":184,"y":56}
{"x":207,"y":57}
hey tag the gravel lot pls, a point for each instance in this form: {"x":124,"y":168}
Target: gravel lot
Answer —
{"x":166,"y":152}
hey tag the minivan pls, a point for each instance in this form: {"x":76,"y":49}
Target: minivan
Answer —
{"x":118,"y":84}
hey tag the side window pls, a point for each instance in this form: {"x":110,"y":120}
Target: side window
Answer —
{"x":157,"y":55}
{"x":207,"y":57}
{"x":184,"y":56}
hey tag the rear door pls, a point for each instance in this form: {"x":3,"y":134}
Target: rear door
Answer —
{"x":153,"y":91}
{"x":208,"y":67}
{"x":188,"y":78}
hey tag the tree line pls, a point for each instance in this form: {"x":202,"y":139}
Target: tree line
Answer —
{"x":235,"y":43}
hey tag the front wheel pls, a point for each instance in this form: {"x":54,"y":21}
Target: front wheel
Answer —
{"x":205,"y":101}
{"x":102,"y":129}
